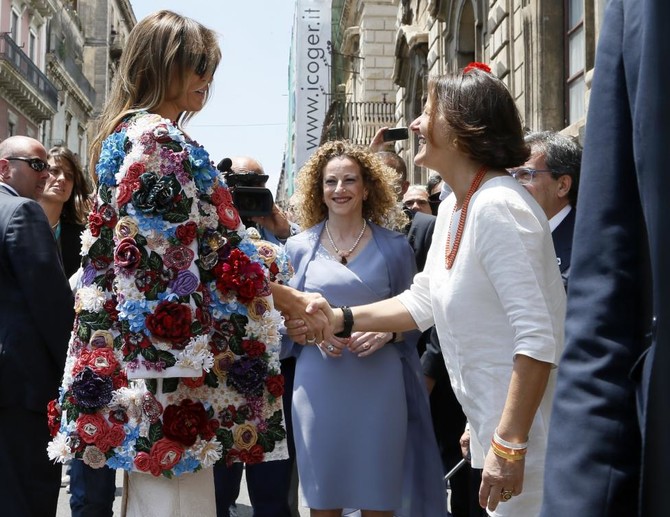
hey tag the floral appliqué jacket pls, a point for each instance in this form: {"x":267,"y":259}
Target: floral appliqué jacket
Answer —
{"x":173,"y":361}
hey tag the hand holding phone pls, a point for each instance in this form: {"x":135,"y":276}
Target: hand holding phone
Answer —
{"x":396,"y":133}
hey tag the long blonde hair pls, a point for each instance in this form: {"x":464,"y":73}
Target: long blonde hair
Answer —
{"x":161,"y":48}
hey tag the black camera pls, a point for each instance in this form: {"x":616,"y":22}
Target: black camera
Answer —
{"x":250,"y":197}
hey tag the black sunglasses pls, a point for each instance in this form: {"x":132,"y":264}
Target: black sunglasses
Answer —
{"x":202,"y":66}
{"x":35,"y":163}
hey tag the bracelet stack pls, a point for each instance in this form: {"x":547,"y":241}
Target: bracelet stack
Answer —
{"x":508,"y":450}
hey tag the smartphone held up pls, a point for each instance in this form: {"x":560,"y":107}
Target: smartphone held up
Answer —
{"x":396,"y":133}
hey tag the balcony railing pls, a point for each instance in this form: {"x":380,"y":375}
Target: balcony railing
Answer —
{"x":357,"y":121}
{"x":12,"y":54}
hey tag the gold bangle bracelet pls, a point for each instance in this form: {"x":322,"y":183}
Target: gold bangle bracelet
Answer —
{"x":513,"y":452}
{"x":504,"y":455}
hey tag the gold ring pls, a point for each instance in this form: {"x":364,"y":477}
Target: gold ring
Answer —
{"x":506,"y":494}
{"x":366,"y":346}
{"x":311,"y":341}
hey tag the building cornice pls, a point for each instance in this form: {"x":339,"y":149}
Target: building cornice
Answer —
{"x":62,"y":77}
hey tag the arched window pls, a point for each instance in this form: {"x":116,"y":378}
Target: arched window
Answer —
{"x":466,"y":36}
{"x":416,"y":98}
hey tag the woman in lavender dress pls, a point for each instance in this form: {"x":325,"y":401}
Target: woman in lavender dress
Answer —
{"x":360,"y":410}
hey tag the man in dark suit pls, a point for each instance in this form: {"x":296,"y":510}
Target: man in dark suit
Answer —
{"x":606,"y":454}
{"x":551,"y":175}
{"x":36,"y":315}
{"x":420,"y":235}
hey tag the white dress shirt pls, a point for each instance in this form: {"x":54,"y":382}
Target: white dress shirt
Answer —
{"x":558,"y":218}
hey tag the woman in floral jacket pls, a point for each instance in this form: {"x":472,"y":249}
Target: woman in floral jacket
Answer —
{"x":173,"y":360}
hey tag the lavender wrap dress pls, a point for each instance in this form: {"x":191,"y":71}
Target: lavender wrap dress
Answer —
{"x":362,"y":428}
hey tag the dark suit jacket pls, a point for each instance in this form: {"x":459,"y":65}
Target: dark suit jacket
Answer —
{"x":420,"y":235}
{"x":618,"y":280}
{"x":36,"y":306}
{"x":70,"y":246}
{"x":562,"y":237}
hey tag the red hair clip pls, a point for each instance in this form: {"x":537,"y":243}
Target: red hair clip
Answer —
{"x":476,"y":64}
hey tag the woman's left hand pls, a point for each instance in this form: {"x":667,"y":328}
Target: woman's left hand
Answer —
{"x":367,"y":343}
{"x":334,"y":346}
{"x":500,"y":477}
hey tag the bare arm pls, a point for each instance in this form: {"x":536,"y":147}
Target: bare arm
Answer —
{"x":386,"y":315}
{"x":377,"y":142}
{"x":526,"y":389}
{"x":525,"y":392}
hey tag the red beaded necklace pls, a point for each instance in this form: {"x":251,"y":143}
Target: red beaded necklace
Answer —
{"x":451,"y":254}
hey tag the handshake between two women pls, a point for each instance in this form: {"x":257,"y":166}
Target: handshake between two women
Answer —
{"x":310,"y":320}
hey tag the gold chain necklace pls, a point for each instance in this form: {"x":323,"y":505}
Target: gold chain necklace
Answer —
{"x":344,"y":254}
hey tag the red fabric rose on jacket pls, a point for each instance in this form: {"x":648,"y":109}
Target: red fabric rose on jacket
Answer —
{"x":145,"y":463}
{"x":113,"y":437}
{"x":101,"y":360}
{"x":184,"y":422}
{"x":124,"y":192}
{"x":221,"y":196}
{"x":170,"y":321}
{"x":228,"y":216}
{"x":127,"y":255}
{"x":53,"y":417}
{"x":91,"y":427}
{"x":275,"y":385}
{"x":194,"y":382}
{"x":187,"y":232}
{"x":166,"y":453}
{"x":95,"y":222}
{"x":120,"y":380}
{"x":253,"y":455}
{"x":253,"y":348}
{"x":225,"y":209}
{"x":239,"y":274}
{"x":110,"y":309}
{"x":130,"y":183}
{"x":134,"y":172}
{"x":108,"y":214}
{"x":178,"y":257}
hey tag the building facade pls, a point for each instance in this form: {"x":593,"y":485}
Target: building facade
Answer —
{"x":64,"y":68}
{"x":106,"y":24}
{"x":27,"y":97}
{"x":57,"y":61}
{"x":387,"y":49}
